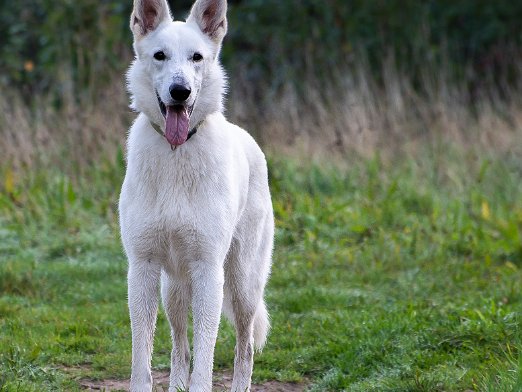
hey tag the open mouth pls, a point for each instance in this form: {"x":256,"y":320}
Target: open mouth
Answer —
{"x":176,"y":122}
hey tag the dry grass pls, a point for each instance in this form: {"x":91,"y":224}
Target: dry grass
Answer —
{"x":76,"y":133}
{"x":354,"y":113}
{"x":357,"y":113}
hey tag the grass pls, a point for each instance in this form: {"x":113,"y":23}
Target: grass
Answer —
{"x":389,"y":275}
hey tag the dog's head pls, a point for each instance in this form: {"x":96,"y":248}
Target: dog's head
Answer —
{"x":176,"y":79}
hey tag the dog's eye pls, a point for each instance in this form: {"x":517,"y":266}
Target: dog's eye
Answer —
{"x":160,"y":56}
{"x":197,"y":57}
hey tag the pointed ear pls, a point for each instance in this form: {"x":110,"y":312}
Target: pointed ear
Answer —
{"x":147,"y":16}
{"x":211,"y":18}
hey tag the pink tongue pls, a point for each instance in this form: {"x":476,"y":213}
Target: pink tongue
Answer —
{"x":177,"y":126}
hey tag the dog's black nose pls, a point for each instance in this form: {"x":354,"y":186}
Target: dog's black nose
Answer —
{"x":178,"y":92}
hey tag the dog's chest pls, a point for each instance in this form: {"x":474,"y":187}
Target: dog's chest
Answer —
{"x":173,"y":182}
{"x":169,"y":199}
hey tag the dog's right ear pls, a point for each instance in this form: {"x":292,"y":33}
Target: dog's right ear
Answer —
{"x":147,"y":15}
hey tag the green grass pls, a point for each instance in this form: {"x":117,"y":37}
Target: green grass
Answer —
{"x":401,"y":275}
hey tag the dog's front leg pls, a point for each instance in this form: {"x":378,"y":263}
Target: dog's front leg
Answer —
{"x":207,"y":299}
{"x":143,"y":281}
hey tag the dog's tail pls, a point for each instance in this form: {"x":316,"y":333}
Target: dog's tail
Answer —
{"x":261,"y":326}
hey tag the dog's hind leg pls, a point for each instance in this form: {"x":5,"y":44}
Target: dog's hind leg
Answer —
{"x":245,"y":294}
{"x":143,"y":282}
{"x":246,"y":271}
{"x":244,"y":352}
{"x":175,"y":293}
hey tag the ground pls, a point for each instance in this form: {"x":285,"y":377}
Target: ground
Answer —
{"x":222,"y":382}
{"x":390,"y":274}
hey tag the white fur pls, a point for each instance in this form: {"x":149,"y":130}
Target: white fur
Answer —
{"x":198,"y":218}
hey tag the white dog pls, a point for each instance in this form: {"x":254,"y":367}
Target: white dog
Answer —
{"x":195,"y":208}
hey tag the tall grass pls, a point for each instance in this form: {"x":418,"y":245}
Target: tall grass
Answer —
{"x":72,"y":135}
{"x":356,"y":110}
{"x":352,"y":111}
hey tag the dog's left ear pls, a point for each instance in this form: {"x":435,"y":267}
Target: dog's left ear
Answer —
{"x":211,"y":18}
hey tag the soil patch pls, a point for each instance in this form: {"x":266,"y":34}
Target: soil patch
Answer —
{"x":222,"y":382}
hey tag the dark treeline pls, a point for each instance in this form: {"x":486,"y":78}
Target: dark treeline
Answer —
{"x":80,"y":43}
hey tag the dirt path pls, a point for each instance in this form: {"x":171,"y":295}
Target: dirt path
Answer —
{"x":222,"y":382}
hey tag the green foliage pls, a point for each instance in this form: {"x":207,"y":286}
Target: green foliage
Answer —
{"x":387,"y":276}
{"x":317,"y":36}
{"x":64,"y":42}
{"x":76,"y":44}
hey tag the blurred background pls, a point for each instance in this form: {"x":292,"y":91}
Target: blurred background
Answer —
{"x":393,"y":131}
{"x":334,"y":75}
